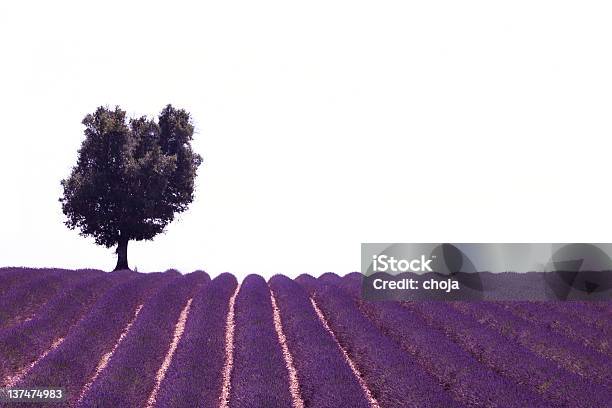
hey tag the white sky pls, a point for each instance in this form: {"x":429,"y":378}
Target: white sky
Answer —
{"x":323,"y":124}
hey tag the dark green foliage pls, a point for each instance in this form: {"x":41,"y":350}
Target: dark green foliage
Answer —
{"x":132,"y":176}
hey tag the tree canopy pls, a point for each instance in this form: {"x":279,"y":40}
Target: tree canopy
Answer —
{"x":131,"y":177}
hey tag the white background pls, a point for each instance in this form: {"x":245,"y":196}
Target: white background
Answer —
{"x":322,"y":124}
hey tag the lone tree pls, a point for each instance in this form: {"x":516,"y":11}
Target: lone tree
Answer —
{"x":131,"y":177}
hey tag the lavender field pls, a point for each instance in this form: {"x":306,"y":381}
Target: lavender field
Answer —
{"x":127,"y":339}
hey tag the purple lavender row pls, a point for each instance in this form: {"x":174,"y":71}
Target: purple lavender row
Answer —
{"x":572,"y":356}
{"x":543,"y":314}
{"x":259,"y":377}
{"x":597,"y":319}
{"x":74,"y":363}
{"x":10,"y":277}
{"x":22,"y":344}
{"x":130,"y":375}
{"x":604,"y":306}
{"x":22,"y":301}
{"x":470,"y":382}
{"x":393,"y":376}
{"x":194,"y":378}
{"x":6,"y":269}
{"x":509,"y":359}
{"x":325,"y":378}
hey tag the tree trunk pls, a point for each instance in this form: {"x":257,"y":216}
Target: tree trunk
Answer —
{"x":122,"y":259}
